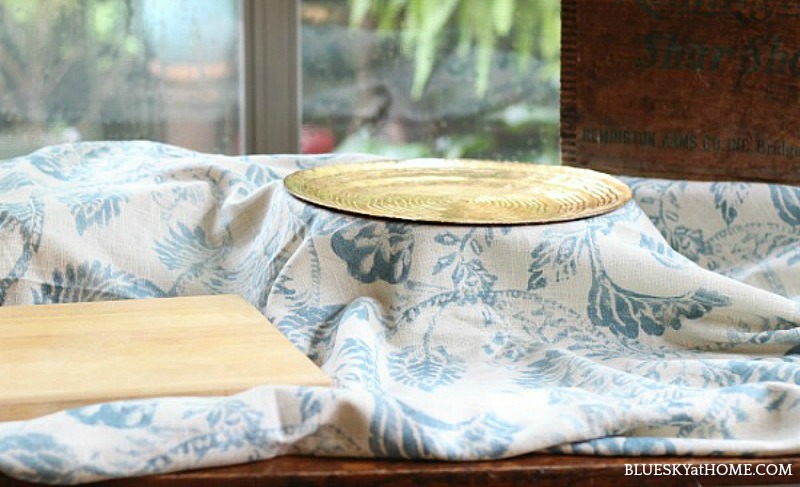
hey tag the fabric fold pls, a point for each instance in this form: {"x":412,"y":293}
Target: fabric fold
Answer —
{"x":669,"y":326}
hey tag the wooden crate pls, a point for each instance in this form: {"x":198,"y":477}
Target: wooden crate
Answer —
{"x":700,"y":89}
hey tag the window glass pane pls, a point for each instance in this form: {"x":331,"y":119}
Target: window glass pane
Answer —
{"x":119,"y":69}
{"x":468,"y":78}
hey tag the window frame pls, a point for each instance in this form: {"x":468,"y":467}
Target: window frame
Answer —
{"x":271,"y":87}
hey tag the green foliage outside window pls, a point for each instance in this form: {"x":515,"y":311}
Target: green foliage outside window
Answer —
{"x":531,"y":27}
{"x":59,"y":59}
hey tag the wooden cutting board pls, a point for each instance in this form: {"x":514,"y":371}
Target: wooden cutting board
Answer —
{"x":55,"y":357}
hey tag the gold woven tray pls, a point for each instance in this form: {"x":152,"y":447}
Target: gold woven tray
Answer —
{"x":460,"y":191}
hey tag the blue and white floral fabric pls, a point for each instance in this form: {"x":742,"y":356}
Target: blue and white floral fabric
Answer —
{"x":670,"y":326}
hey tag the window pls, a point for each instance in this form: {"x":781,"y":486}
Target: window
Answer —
{"x":463,"y":78}
{"x":227,"y":75}
{"x":119,"y":69}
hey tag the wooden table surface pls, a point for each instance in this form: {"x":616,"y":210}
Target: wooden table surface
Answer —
{"x":553,"y":470}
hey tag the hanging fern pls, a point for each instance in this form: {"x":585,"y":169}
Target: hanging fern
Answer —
{"x":533,"y":27}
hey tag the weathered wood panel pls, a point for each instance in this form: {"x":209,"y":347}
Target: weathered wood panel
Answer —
{"x":700,"y":89}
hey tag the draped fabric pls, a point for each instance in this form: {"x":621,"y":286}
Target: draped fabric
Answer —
{"x":669,"y":326}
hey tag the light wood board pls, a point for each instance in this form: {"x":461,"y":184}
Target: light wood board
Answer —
{"x":55,"y":357}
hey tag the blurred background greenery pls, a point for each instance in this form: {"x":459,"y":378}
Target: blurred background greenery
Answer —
{"x":450,"y":78}
{"x":446,"y":78}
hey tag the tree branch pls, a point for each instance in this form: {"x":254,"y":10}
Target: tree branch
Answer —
{"x":8,"y":105}
{"x":12,"y":68}
{"x":57,"y":74}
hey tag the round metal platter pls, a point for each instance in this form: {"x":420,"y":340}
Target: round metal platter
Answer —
{"x":460,"y":191}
